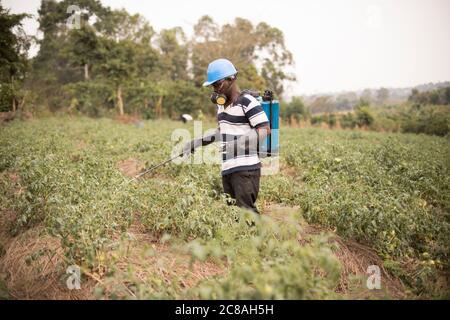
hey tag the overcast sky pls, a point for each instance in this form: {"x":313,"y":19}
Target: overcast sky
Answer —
{"x":337,"y":44}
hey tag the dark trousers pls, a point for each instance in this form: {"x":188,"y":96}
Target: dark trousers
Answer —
{"x":244,"y":187}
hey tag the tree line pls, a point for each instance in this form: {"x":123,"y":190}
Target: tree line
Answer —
{"x":422,"y":112}
{"x":99,"y":61}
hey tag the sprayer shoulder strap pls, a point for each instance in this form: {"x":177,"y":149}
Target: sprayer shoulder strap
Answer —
{"x":250,"y":92}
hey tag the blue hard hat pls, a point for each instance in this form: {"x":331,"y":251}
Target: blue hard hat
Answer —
{"x":218,"y":70}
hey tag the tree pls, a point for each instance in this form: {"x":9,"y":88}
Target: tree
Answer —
{"x":276,"y":59}
{"x":119,"y":25}
{"x":362,"y":103}
{"x":258,"y":52}
{"x":206,"y":30}
{"x":13,"y":58}
{"x":174,"y":52}
{"x":332,"y":120}
{"x":347,"y":121}
{"x":446,"y":96}
{"x":382,"y":95}
{"x":366,"y":95}
{"x":343,"y":103}
{"x":83,"y":48}
{"x":65,"y":55}
{"x":322,"y":104}
{"x":364,"y":117}
{"x":346,"y":101}
{"x":434,"y":97}
{"x":116,"y":60}
{"x":117,"y":66}
{"x":295,"y":109}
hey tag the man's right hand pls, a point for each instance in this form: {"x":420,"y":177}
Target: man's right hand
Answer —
{"x":189,"y":148}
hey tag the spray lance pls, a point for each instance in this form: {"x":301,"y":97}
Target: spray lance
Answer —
{"x":187,"y":150}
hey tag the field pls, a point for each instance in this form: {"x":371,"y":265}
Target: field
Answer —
{"x":342,"y":201}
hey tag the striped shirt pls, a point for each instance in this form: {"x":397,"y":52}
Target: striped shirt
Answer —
{"x":240,"y":118}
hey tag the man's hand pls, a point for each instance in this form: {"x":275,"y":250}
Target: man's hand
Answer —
{"x":190,"y":146}
{"x":263,"y":132}
{"x":210,"y":138}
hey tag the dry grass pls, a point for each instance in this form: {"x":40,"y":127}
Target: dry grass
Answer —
{"x":355,"y":259}
{"x":32,"y":266}
{"x":289,"y":170}
{"x":80,"y":145}
{"x":127,"y":119}
{"x":7,"y":116}
{"x":130,"y":167}
{"x":153,"y":261}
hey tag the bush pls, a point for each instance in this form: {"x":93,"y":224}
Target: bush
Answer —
{"x":294,"y":109}
{"x":92,"y":98}
{"x":428,"y":121}
{"x":331,"y":120}
{"x":364,"y":117}
{"x":348,"y":121}
{"x":316,"y":120}
{"x":6,"y":96}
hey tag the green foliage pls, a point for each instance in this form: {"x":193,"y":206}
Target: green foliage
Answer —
{"x":382,"y":95}
{"x":348,"y":121}
{"x":294,"y":109}
{"x":385,"y":190}
{"x":427,"y":119}
{"x":315,"y":120}
{"x":413,"y":118}
{"x":13,"y":60}
{"x":274,"y":268}
{"x":141,"y":71}
{"x":79,"y":196}
{"x":89,"y":97}
{"x":331,"y":120}
{"x":6,"y":96}
{"x":172,"y":43}
{"x":246,"y":46}
{"x":439,"y":96}
{"x":363,"y":116}
{"x":184,"y":97}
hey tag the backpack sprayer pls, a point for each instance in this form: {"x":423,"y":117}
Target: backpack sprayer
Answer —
{"x":268,"y":148}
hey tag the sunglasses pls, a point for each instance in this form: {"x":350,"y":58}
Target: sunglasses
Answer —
{"x":219,"y":83}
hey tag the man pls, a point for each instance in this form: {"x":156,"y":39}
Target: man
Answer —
{"x":242,"y":123}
